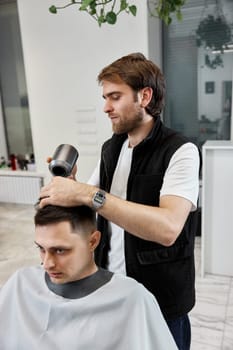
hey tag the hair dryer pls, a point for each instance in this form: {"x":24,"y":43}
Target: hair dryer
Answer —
{"x":63,"y":161}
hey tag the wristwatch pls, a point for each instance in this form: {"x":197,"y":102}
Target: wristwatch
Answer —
{"x":98,"y":199}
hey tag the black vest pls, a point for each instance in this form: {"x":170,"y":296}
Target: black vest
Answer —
{"x":167,"y":272}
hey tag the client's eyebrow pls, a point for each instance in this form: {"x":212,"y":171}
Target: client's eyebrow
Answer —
{"x":53,"y":247}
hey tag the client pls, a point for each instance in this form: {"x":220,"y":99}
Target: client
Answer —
{"x":70,"y":303}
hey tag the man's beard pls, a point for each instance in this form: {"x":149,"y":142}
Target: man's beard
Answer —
{"x":127,"y":126}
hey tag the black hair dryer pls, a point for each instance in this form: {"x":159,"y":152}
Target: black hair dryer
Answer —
{"x":63,"y":161}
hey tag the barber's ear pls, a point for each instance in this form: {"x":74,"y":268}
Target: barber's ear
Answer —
{"x":94,"y":240}
{"x":146,"y":95}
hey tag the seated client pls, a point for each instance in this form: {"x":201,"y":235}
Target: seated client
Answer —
{"x":70,"y":303}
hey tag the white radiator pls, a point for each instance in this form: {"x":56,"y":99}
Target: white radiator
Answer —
{"x":20,"y":189}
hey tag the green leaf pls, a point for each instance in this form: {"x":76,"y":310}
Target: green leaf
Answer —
{"x":101,"y":19}
{"x":111,"y":17}
{"x":124,"y":5}
{"x":179,"y":15}
{"x":85,"y":4}
{"x":133,"y":10}
{"x":93,"y":5}
{"x":167,"y":19}
{"x":53,"y":9}
{"x":92,"y":12}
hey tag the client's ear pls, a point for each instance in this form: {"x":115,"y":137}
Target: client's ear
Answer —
{"x":94,"y":240}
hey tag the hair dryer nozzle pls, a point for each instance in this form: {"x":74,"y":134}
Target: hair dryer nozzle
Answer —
{"x":63,"y":160}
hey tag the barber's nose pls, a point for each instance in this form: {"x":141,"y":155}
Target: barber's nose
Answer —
{"x":107,"y":107}
{"x":48,"y":261}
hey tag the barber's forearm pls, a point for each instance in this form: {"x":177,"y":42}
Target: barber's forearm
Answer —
{"x":159,"y":224}
{"x":150,"y":223}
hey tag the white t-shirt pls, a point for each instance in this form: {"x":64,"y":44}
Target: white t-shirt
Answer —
{"x":180,"y":179}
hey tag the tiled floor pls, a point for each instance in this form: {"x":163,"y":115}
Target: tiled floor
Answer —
{"x":211,"y":318}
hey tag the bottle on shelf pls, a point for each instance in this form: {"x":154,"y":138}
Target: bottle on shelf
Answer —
{"x":13,"y":161}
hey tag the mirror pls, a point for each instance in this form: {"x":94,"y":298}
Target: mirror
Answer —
{"x":16,"y":137}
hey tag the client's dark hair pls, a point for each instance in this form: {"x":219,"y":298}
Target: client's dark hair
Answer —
{"x":81,"y":218}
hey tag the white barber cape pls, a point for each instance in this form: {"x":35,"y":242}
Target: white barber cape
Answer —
{"x":118,"y":314}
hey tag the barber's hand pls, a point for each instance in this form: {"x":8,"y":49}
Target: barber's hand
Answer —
{"x":73,"y":173}
{"x":66,"y":192}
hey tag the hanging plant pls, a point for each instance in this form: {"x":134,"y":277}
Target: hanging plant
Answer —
{"x":107,"y":11}
{"x":213,"y":33}
{"x":215,"y":62}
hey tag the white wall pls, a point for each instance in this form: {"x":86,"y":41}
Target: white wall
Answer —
{"x":63,"y":55}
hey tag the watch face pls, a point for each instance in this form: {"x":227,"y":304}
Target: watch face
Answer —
{"x":98,"y":199}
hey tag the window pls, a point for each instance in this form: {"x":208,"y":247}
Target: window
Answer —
{"x":198,"y":66}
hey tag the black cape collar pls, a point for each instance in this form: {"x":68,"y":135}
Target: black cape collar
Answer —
{"x":81,"y":288}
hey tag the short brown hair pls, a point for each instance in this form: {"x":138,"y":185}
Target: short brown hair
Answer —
{"x":138,"y":72}
{"x":81,"y":218}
